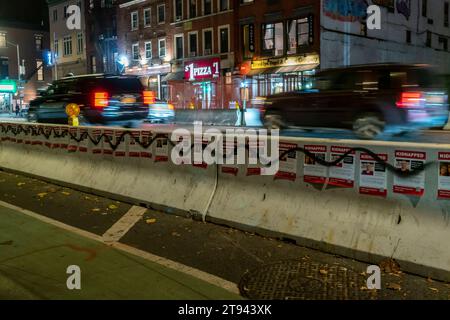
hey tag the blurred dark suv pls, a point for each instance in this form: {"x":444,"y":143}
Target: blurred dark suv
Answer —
{"x":103,"y":100}
{"x":369,"y":99}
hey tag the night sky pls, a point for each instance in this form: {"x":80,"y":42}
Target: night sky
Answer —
{"x":24,"y":11}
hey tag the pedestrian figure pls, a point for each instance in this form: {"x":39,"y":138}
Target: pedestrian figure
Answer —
{"x":17,"y":110}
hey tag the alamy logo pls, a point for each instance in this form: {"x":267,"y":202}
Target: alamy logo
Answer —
{"x":373,"y":17}
{"x":73,"y":17}
{"x":208,"y":147}
{"x":74,"y":280}
{"x":374,"y":280}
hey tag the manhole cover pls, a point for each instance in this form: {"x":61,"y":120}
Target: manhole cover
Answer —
{"x":303,"y":280}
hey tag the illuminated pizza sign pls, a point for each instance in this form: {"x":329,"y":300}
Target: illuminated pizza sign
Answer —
{"x":199,"y":70}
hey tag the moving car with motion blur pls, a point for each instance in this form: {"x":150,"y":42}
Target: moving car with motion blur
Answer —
{"x":369,"y":99}
{"x":161,"y":112}
{"x":103,"y":100}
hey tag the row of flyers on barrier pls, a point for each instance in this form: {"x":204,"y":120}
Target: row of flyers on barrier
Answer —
{"x":372,"y":174}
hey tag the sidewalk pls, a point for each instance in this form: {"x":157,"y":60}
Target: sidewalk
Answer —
{"x":34,"y":257}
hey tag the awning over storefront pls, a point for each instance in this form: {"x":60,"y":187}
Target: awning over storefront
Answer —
{"x":287,"y":69}
{"x":173,"y":76}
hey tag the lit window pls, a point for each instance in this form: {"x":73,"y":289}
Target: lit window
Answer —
{"x":40,"y":70}
{"x":68,"y":45}
{"x":2,"y":39}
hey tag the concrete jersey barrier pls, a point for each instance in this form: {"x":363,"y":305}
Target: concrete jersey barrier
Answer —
{"x":358,"y":209}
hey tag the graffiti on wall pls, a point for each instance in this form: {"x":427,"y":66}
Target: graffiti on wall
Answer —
{"x":345,"y":10}
{"x":404,"y":7}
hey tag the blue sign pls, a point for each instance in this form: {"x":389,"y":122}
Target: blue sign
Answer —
{"x":48,"y":57}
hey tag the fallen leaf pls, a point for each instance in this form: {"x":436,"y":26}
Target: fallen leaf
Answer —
{"x":21,"y":184}
{"x":434,"y":289}
{"x":176,"y":234}
{"x":430,"y":280}
{"x":42,"y":194}
{"x":394,"y":286}
{"x":323,"y":272}
{"x":150,"y":221}
{"x":96,"y":210}
{"x":112,"y":207}
{"x":66,"y":193}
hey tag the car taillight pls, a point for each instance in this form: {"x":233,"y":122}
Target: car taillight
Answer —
{"x":101,"y":99}
{"x":149,"y":97}
{"x":410,"y":100}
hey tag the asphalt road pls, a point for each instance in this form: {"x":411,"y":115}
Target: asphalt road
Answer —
{"x":264,"y":268}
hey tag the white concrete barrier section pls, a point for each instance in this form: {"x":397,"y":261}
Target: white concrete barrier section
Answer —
{"x":355,"y":210}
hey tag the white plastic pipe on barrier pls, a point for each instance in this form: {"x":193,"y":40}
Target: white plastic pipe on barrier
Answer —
{"x":356,"y":209}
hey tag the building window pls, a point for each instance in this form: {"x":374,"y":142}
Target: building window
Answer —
{"x":40,"y":70}
{"x":91,"y":4}
{"x":161,"y":13}
{"x":192,"y":8}
{"x":224,"y":39}
{"x":56,"y":47}
{"x":134,"y":20}
{"x":208,"y":42}
{"x":67,"y":46}
{"x":207,"y":7}
{"x":224,"y":5}
{"x":80,"y":44}
{"x":299,"y":34}
{"x":446,"y":13}
{"x":444,"y":42}
{"x":65,"y":12}
{"x":162,"y":48}
{"x":148,"y":50}
{"x":147,"y":17}
{"x":178,"y":10}
{"x":424,"y":8}
{"x":179,"y":46}
{"x":408,"y":36}
{"x":55,"y":15}
{"x":38,"y":43}
{"x":246,"y":1}
{"x":193,"y":44}
{"x":273,"y":42}
{"x":2,"y":39}
{"x":135,"y":51}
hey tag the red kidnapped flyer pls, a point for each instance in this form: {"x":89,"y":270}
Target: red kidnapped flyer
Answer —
{"x":373,"y":175}
{"x":444,"y":175}
{"x":408,"y":161}
{"x":288,"y":163}
{"x":342,"y":174}
{"x":313,"y":171}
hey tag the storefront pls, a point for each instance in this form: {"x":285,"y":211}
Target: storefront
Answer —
{"x":200,"y":86}
{"x":153,"y":77}
{"x":8,"y":90}
{"x":277,"y":75}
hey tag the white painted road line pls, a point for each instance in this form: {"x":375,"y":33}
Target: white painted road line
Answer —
{"x":212,"y":279}
{"x":121,"y":227}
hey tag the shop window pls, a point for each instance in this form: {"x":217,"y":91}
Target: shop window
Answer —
{"x":273,"y":42}
{"x":40,"y":70}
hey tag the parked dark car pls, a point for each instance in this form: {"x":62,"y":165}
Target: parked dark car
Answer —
{"x":369,"y":99}
{"x":103,"y":100}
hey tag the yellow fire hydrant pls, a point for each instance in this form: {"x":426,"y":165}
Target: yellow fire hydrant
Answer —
{"x":73,"y":111}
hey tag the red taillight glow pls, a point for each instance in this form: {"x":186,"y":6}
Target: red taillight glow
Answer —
{"x":149,"y":97}
{"x":101,"y":99}
{"x":410,"y":100}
